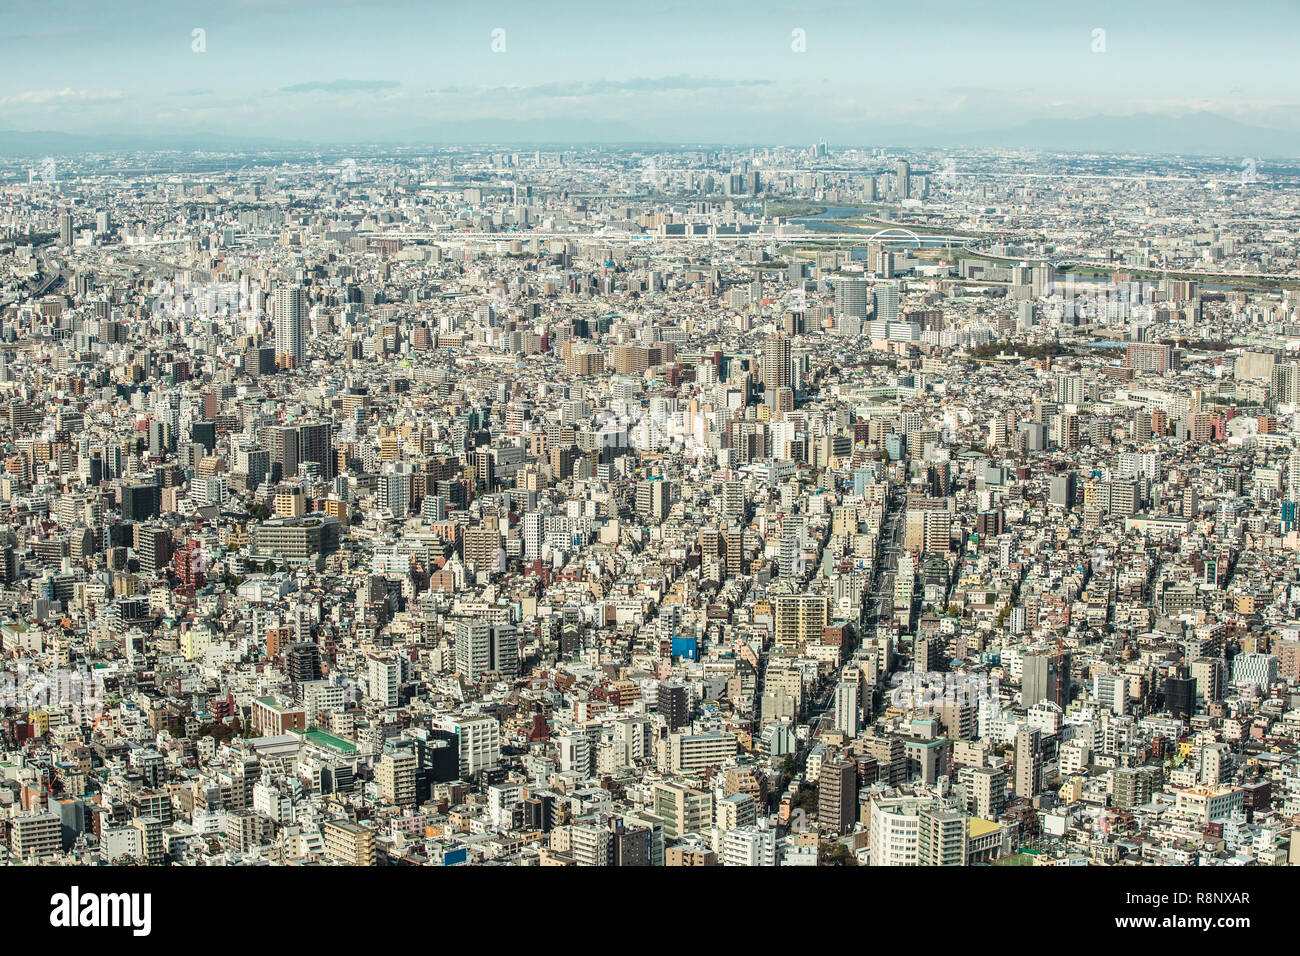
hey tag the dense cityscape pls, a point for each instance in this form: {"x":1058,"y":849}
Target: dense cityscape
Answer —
{"x":605,"y":506}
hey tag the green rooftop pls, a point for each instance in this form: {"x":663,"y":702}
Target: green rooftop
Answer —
{"x":321,"y":739}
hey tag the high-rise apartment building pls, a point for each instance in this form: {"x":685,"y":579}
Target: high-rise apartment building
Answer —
{"x":1029,"y":762}
{"x":777,"y":369}
{"x":483,"y":648}
{"x":837,"y":795}
{"x":290,"y":307}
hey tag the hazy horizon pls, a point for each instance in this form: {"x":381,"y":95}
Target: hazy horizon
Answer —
{"x":1193,"y":77}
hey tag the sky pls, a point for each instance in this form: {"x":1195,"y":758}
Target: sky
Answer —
{"x":717,"y":71}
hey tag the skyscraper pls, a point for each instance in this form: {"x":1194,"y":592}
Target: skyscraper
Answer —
{"x":776,"y":362}
{"x":887,"y":302}
{"x":290,"y":326}
{"x":1029,"y":763}
{"x":482,"y":648}
{"x":315,"y":443}
{"x":281,"y":443}
{"x":852,"y":304}
{"x":837,"y":795}
{"x":903,"y":184}
{"x":846,"y":708}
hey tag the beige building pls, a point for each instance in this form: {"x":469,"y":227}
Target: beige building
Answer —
{"x":34,"y":836}
{"x":691,"y":753}
{"x":395,"y":777}
{"x":682,"y":809}
{"x":348,"y":843}
{"x":801,"y":618}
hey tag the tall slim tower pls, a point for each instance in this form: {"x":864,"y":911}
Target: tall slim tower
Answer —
{"x":777,"y":372}
{"x":887,"y":301}
{"x":837,"y":795}
{"x":290,"y":326}
{"x":1029,"y":763}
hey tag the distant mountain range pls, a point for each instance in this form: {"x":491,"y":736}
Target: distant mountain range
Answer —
{"x":32,"y":145}
{"x":1193,"y":134}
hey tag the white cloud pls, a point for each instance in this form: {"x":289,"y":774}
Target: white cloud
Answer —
{"x":66,"y":95}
